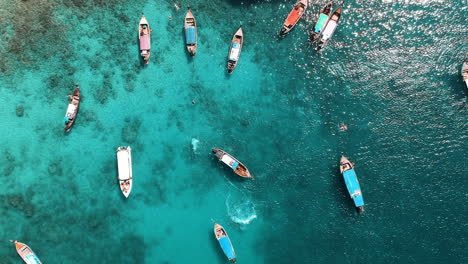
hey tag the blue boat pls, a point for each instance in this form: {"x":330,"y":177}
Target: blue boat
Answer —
{"x":225,"y":242}
{"x":322,"y":21}
{"x":352,"y":183}
{"x":191,"y":35}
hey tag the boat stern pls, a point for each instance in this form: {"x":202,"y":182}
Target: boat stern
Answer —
{"x":360,"y":209}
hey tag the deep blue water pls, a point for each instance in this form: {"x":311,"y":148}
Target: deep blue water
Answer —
{"x":391,"y":73}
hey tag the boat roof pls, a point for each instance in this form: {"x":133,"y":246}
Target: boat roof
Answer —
{"x":227,"y":247}
{"x":228,"y":160}
{"x":145,"y":42}
{"x":70,"y":110}
{"x":235,"y":51}
{"x":329,"y":29}
{"x":124,"y":164}
{"x":353,"y":187}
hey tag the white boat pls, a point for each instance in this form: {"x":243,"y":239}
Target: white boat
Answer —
{"x":465,"y":73}
{"x":124,"y":163}
{"x":28,"y":256}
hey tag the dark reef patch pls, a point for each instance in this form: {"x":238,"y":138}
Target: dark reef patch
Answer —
{"x":130,"y":131}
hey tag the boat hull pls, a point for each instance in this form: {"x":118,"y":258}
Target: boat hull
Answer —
{"x":125,"y":174}
{"x":329,"y":29}
{"x":191,"y":34}
{"x":238,"y":167}
{"x":235,"y":50}
{"x":72,"y":110}
{"x":26,"y":253}
{"x":225,"y":243}
{"x":352,"y":183}
{"x":293,"y":17}
{"x":144,"y":37}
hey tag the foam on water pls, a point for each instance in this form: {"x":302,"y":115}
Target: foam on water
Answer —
{"x":241,"y":210}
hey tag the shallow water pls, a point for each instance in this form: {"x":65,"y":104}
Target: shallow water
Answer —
{"x":391,"y":73}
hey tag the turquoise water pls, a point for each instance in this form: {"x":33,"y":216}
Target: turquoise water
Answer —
{"x":391,"y":73}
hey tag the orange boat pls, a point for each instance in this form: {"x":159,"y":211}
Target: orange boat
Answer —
{"x":293,"y":17}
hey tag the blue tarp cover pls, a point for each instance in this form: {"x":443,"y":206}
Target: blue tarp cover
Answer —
{"x":227,"y":247}
{"x":190,"y":35}
{"x":234,"y":165}
{"x":353,"y":185}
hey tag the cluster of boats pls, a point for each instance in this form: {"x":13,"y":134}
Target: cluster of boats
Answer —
{"x":323,"y":31}
{"x":324,"y":27}
{"x":191,"y":40}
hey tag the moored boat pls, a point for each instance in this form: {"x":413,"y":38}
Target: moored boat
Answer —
{"x":238,"y":167}
{"x":72,"y":109}
{"x":352,"y":183}
{"x":144,"y":36}
{"x":293,"y":17}
{"x":191,"y":35}
{"x":225,"y":242}
{"x":329,"y":29}
{"x":26,"y":253}
{"x":235,"y":50}
{"x":322,"y":21}
{"x":124,"y":164}
{"x":465,"y":73}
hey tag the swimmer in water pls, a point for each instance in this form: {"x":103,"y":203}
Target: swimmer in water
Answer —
{"x":343,"y":127}
{"x":177,"y":5}
{"x":193,"y":101}
{"x":170,"y":17}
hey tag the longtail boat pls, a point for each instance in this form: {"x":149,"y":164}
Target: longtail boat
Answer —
{"x":124,"y":163}
{"x":191,"y":33}
{"x":72,"y":109}
{"x":329,"y":29}
{"x":225,"y":242}
{"x":352,"y":183}
{"x":465,"y":73}
{"x":235,"y":50}
{"x":237,"y":166}
{"x":26,"y":253}
{"x":293,"y":17}
{"x":144,"y":35}
{"x":322,"y":21}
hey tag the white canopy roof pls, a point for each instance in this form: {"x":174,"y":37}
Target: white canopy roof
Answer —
{"x":227,"y":160}
{"x":329,"y":29}
{"x":124,"y":162}
{"x":70,"y":110}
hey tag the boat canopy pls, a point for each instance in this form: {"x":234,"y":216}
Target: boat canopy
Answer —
{"x":145,"y":42}
{"x":32,"y":259}
{"x":230,"y":162}
{"x":293,"y":17}
{"x":321,"y":22}
{"x":227,"y":247}
{"x":124,"y":164}
{"x":353,"y":187}
{"x":329,"y":29}
{"x":235,"y":51}
{"x":190,"y":36}
{"x":70,"y":110}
